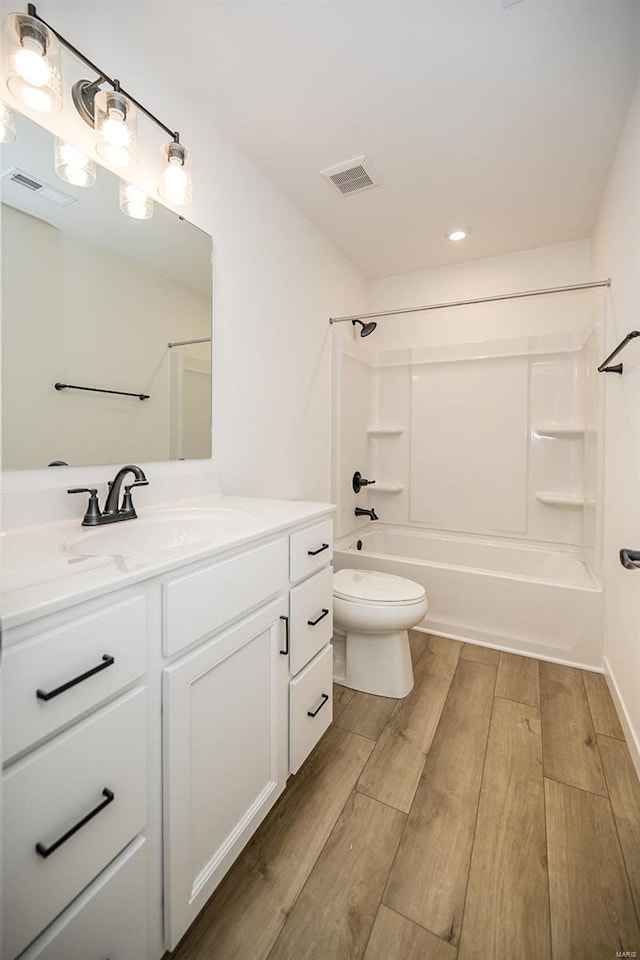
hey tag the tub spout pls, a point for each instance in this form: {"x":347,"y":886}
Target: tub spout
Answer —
{"x":360,"y":512}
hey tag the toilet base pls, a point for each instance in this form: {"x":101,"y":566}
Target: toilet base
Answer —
{"x":379,"y":663}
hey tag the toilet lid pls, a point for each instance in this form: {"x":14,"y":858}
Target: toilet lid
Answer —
{"x":375,"y":587}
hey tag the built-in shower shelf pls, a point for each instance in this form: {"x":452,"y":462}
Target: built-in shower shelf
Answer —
{"x":567,"y":431}
{"x":385,"y":431}
{"x":561,"y":499}
{"x":388,"y":488}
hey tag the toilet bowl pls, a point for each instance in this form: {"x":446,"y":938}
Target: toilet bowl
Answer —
{"x":375,"y":610}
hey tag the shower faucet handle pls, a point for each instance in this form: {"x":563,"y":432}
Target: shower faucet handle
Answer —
{"x":358,"y":482}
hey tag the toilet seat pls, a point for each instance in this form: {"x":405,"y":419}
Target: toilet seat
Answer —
{"x":373,"y":587}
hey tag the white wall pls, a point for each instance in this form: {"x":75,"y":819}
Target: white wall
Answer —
{"x":616,"y":251}
{"x":557,"y":265}
{"x":276,"y":282}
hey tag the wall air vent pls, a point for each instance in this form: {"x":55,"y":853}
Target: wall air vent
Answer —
{"x":352,"y":176}
{"x":31,"y":183}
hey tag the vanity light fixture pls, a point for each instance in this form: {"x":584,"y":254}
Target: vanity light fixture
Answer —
{"x":32,"y":54}
{"x":32,"y":49}
{"x":7,"y":124}
{"x":73,"y":166}
{"x":176,"y":184}
{"x":135,"y":203}
{"x":460,"y":233}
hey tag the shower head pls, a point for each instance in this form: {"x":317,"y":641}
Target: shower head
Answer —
{"x":367,"y":328}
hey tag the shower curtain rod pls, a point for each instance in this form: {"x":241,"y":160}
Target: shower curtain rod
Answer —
{"x":463,"y":303}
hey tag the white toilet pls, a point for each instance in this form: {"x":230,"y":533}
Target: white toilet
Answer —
{"x":375,"y":611}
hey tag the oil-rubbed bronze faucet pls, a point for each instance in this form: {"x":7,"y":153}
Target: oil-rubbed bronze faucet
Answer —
{"x":113,"y":511}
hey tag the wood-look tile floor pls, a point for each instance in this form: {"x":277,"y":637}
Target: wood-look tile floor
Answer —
{"x":493,"y":814}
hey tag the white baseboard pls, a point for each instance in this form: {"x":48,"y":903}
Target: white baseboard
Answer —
{"x":632,"y":738}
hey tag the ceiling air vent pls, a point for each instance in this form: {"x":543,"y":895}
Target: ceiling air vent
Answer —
{"x":31,"y":183}
{"x":352,"y":176}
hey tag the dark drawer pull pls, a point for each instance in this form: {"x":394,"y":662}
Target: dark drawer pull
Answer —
{"x":286,"y":637}
{"x":324,"y":613}
{"x":314,"y":553}
{"x":107,"y":661}
{"x":47,"y":851}
{"x":314,"y":713}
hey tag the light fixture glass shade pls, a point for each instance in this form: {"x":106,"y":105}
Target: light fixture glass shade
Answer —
{"x":135,"y":202}
{"x":7,"y":124}
{"x":116,"y":128}
{"x":74,"y":166}
{"x":33,"y":67}
{"x":176,"y":182}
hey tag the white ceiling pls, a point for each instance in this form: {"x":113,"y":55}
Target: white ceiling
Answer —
{"x":501,"y":118}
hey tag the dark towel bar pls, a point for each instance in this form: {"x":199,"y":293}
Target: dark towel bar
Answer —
{"x":120,"y":393}
{"x":617,"y":367}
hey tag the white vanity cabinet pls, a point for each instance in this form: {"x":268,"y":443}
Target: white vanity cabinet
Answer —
{"x":75,"y":774}
{"x":148,"y":731}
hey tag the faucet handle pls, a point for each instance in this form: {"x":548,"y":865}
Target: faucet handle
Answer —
{"x":358,"y":482}
{"x":127,"y":509}
{"x":92,"y":515}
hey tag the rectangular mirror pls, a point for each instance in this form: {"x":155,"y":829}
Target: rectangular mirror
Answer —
{"x":93,"y":299}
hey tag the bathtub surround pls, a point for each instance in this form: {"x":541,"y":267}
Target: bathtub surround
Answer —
{"x":485,"y":441}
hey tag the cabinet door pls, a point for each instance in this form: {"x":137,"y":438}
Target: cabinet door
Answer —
{"x":225,"y":756}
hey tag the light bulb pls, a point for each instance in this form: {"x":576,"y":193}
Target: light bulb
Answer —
{"x":176,"y":183}
{"x":32,"y":55}
{"x":114,"y":130}
{"x":115,"y":123}
{"x":32,"y":65}
{"x":135,"y":203}
{"x":74,"y":166}
{"x":7,"y":124}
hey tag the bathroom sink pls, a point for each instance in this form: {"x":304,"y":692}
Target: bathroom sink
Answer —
{"x":157,"y":532}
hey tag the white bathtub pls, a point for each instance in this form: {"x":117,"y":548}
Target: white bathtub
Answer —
{"x":528,"y":599}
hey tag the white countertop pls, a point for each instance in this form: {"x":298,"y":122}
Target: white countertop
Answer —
{"x":44,"y":570}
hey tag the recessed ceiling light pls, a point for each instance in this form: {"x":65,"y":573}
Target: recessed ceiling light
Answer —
{"x":456,"y":235}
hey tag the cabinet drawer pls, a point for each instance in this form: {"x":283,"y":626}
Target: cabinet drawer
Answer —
{"x":310,"y":549}
{"x":53,"y":790}
{"x":59,"y":675}
{"x":107,"y":920}
{"x":311,"y":614}
{"x":310,"y":707}
{"x":199,"y":603}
